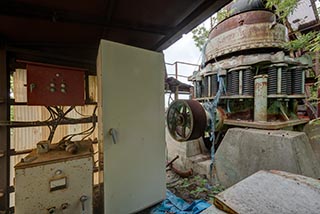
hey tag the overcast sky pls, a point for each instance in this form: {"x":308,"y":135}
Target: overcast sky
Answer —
{"x":184,"y":50}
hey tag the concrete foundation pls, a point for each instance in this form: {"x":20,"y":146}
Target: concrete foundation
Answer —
{"x":246,"y":151}
{"x":312,"y":130}
{"x":192,"y":154}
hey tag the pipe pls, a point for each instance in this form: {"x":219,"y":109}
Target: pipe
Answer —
{"x":171,"y":162}
{"x":182,"y":174}
{"x":260,"y":97}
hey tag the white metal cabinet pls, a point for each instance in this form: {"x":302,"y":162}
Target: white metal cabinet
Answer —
{"x":54,"y":182}
{"x":131,"y":102}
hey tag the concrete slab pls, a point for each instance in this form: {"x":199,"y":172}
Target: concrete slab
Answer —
{"x":269,"y":192}
{"x":213,"y":210}
{"x":246,"y":151}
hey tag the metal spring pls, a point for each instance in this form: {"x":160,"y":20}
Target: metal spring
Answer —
{"x":235,"y":83}
{"x":284,"y":71}
{"x":297,"y":81}
{"x":272,"y":80}
{"x":205,"y":87}
{"x":229,"y":83}
{"x":289,"y":81}
{"x":198,"y":89}
{"x":214,"y":84}
{"x":248,"y":82}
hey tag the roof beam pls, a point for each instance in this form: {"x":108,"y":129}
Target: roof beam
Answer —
{"x":29,"y":11}
{"x":206,"y":9}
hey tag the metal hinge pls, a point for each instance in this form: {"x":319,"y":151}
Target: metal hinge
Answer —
{"x":1,"y":193}
{"x":2,"y":154}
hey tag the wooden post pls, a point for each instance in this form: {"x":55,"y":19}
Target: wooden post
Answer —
{"x":4,"y":131}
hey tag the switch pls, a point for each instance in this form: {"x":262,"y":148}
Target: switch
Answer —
{"x":32,"y":86}
{"x":51,"y":210}
{"x":83,"y":199}
{"x":63,"y":90}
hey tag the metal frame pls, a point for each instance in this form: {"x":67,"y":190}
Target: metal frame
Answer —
{"x":176,"y":75}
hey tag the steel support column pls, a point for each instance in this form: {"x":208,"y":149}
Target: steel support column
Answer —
{"x":4,"y":131}
{"x":176,"y":94}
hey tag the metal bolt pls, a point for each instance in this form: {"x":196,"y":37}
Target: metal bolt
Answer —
{"x":52,"y":84}
{"x":52,"y":89}
{"x":63,"y":85}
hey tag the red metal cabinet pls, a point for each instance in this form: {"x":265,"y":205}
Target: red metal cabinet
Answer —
{"x":51,"y":85}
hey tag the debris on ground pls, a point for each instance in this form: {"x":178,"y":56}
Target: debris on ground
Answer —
{"x":175,"y":205}
{"x":192,"y":188}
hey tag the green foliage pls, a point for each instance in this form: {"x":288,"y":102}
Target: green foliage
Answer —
{"x":223,"y":14}
{"x":200,"y":35}
{"x":302,"y":42}
{"x":197,"y":187}
{"x":307,"y":42}
{"x":283,"y":8}
{"x":314,"y":43}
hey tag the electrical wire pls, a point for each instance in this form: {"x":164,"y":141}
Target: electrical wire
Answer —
{"x":86,"y":133}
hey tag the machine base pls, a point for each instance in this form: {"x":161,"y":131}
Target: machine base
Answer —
{"x":245,"y":151}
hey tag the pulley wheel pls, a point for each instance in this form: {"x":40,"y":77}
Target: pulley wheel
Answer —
{"x":186,"y":120}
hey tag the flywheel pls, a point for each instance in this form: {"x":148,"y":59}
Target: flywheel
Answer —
{"x":186,"y":120}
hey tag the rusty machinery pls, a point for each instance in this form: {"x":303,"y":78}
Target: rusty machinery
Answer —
{"x":247,"y":78}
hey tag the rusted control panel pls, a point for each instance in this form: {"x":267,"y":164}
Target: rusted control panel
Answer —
{"x":53,"y":85}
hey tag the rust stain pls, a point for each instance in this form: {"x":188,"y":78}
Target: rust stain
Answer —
{"x":222,"y":206}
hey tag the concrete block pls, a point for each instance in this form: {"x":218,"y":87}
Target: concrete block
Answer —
{"x":191,"y":155}
{"x":312,"y":130}
{"x":246,"y":151}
